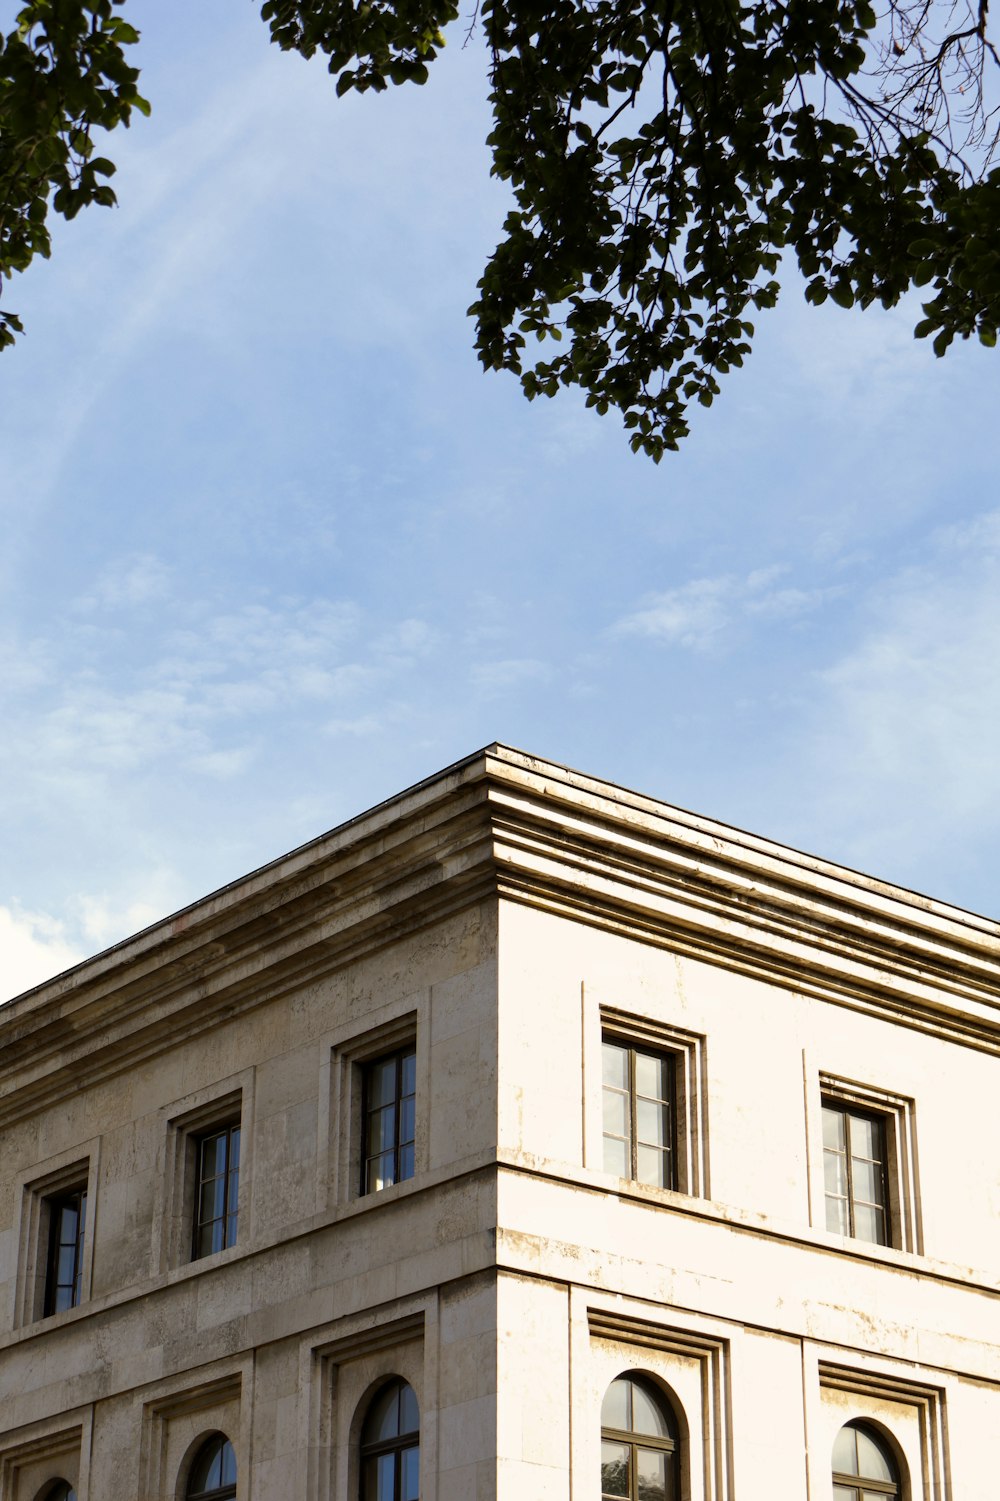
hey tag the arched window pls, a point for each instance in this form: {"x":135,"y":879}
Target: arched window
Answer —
{"x":390,"y":1445}
{"x":213,"y":1474}
{"x":59,"y":1490}
{"x":640,"y":1450}
{"x":863,"y":1468}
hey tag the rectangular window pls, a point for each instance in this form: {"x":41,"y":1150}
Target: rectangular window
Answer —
{"x":639,"y":1101}
{"x":389,"y":1110}
{"x":217,"y":1186}
{"x":67,"y":1217}
{"x":855,"y":1171}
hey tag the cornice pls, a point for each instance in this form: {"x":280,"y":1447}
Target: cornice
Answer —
{"x":505,"y":824}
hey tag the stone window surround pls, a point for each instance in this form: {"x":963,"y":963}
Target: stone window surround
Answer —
{"x":75,"y":1168}
{"x":690,"y":1089}
{"x":342,"y":1371}
{"x":181,"y":1124}
{"x":899,"y":1115}
{"x":180,"y":1413}
{"x":910,"y":1415}
{"x":53,"y":1449}
{"x":344,"y":1055}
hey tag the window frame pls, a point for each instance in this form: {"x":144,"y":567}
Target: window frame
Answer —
{"x":862,"y":1484}
{"x":634,"y":1440}
{"x":40,"y":1188}
{"x":634,"y":1049}
{"x":54,"y":1206}
{"x":398,"y":1445}
{"x":225,"y":1492}
{"x":897,"y":1113}
{"x":230,"y":1215}
{"x":399,"y":1057}
{"x":849,"y":1113}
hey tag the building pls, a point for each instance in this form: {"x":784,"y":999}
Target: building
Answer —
{"x":523,"y":1139}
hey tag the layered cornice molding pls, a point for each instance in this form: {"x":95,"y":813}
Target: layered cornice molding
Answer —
{"x":505,"y":824}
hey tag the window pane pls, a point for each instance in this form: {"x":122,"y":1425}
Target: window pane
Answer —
{"x":835,"y":1173}
{"x":837,"y":1218}
{"x":868,"y":1224}
{"x":847,"y":1493}
{"x":211,"y":1200}
{"x":866,"y":1137}
{"x":652,"y":1076}
{"x":616,"y":1409}
{"x":647,"y":1414}
{"x":833,"y":1128}
{"x":407,"y":1119}
{"x":234,"y":1148}
{"x":386,"y":1477}
{"x":653,"y":1166}
{"x":409,"y":1071}
{"x":872,"y":1463}
{"x":616,"y":1157}
{"x":615,"y":1112}
{"x":615,"y":1065}
{"x":614,"y":1469}
{"x":410,"y":1488}
{"x":406,"y":1164}
{"x":867,"y":1181}
{"x":845,"y":1452}
{"x":652,"y":1123}
{"x":213,"y":1156}
{"x":382,"y":1130}
{"x":66,"y":1267}
{"x":409,"y":1413}
{"x":382,"y":1083}
{"x":233,"y":1195}
{"x":651,"y":1468}
{"x":381,"y":1173}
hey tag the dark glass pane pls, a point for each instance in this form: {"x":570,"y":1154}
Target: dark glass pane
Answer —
{"x":616,"y":1409}
{"x":651,"y":1474}
{"x":68,"y":1222}
{"x":213,"y":1155}
{"x":206,"y":1472}
{"x":409,"y":1412}
{"x":228,"y":1464}
{"x":64,"y":1298}
{"x":407,"y":1119}
{"x":382,"y":1083}
{"x":845,"y":1452}
{"x":212,"y":1200}
{"x":614,"y":1468}
{"x":406,"y":1167}
{"x":234,"y":1148}
{"x":409,"y":1071}
{"x":382,"y":1421}
{"x":649,"y":1413}
{"x":410,"y":1479}
{"x":232,"y":1223}
{"x":233,"y":1194}
{"x":386,"y":1488}
{"x":66,"y":1266}
{"x":834,"y":1134}
{"x":381,"y":1172}
{"x":382,"y":1136}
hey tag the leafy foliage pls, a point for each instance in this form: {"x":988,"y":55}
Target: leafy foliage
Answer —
{"x":666,"y":157}
{"x":63,"y":75}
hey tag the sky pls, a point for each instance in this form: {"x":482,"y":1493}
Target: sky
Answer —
{"x":273,"y":547}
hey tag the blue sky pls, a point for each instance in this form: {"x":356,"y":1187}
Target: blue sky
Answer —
{"x":274,"y":547}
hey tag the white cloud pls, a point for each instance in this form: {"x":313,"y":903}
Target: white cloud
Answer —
{"x":698,"y":614}
{"x":900,"y":751}
{"x":33,"y":948}
{"x":494,"y":678}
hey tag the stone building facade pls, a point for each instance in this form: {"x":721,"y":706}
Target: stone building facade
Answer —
{"x":523,"y":1139}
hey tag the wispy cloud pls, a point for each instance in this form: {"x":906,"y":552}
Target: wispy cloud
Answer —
{"x":34,"y":947}
{"x":700,"y":613}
